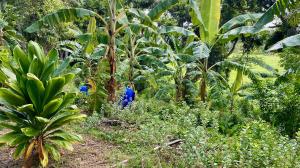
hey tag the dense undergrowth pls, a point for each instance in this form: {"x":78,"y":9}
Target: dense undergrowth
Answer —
{"x":207,"y":140}
{"x":217,"y":82}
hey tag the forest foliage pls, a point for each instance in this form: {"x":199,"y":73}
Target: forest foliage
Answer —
{"x":180,"y":57}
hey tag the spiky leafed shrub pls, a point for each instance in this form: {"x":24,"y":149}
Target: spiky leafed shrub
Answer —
{"x":35,"y":107}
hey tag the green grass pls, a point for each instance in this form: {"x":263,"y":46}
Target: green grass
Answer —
{"x":271,"y":59}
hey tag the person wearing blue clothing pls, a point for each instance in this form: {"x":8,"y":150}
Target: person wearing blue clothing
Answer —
{"x":84,"y":89}
{"x":128,"y":97}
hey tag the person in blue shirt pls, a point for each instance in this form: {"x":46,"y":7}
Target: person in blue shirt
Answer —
{"x":128,"y":97}
{"x":84,"y":89}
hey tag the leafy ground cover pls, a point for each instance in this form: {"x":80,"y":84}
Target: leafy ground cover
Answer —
{"x":158,"y":134}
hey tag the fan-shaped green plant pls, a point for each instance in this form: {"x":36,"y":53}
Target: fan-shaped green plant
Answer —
{"x":35,"y":105}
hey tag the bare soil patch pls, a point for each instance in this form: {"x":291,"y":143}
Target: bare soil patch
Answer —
{"x":90,"y":153}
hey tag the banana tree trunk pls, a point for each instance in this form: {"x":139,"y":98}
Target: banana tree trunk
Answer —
{"x":1,"y":37}
{"x":179,"y":91}
{"x":131,"y":60}
{"x":203,"y":82}
{"x":111,"y":85}
{"x":235,"y":87}
{"x":203,"y":90}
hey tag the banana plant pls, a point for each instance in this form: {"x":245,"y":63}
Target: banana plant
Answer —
{"x":110,"y":29}
{"x":136,"y":37}
{"x":242,"y":65}
{"x":141,"y":38}
{"x":35,"y":106}
{"x":206,"y":16}
{"x":112,"y":26}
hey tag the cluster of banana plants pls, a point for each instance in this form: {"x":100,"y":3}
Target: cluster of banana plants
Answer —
{"x":108,"y":31}
{"x":35,"y":106}
{"x":132,"y":37}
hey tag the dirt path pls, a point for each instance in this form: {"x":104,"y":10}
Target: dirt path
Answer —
{"x":89,"y":154}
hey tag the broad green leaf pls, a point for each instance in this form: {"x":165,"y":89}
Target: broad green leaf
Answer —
{"x":42,"y":119}
{"x":136,"y":27}
{"x":66,"y":135}
{"x":206,"y":14}
{"x":67,"y":100}
{"x":30,"y":132}
{"x":92,"y":25}
{"x":34,"y":49}
{"x":240,"y":20}
{"x":155,"y":51}
{"x":20,"y":149}
{"x":23,"y":59}
{"x":48,"y":71}
{"x":63,"y":66}
{"x":9,"y":98}
{"x":27,"y":108}
{"x":10,"y":126}
{"x":84,"y":38}
{"x":61,"y":143}
{"x":60,"y":16}
{"x":238,"y":81}
{"x":51,"y":107}
{"x":201,"y":51}
{"x":176,"y":29}
{"x":9,"y":73}
{"x":20,"y":139}
{"x":239,"y":67}
{"x":62,"y":119}
{"x":196,"y":15}
{"x":237,"y":32}
{"x":3,"y":76}
{"x":53,"y":151}
{"x":14,"y":87}
{"x":35,"y":67}
{"x":145,"y":19}
{"x":160,"y":8}
{"x":53,"y":55}
{"x":211,"y":13}
{"x":292,"y":41}
{"x":9,"y":137}
{"x":36,"y":90}
{"x":69,"y":77}
{"x":15,"y":116}
{"x":53,"y":87}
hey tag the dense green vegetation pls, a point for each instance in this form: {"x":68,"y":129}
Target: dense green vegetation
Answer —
{"x":217,"y":82}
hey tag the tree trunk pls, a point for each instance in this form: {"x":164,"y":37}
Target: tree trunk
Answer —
{"x":1,"y":37}
{"x":131,"y":59}
{"x":203,"y":90}
{"x":232,"y":103}
{"x":179,"y":92}
{"x":203,"y":82}
{"x":111,"y":85}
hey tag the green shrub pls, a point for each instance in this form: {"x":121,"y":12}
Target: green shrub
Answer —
{"x":280,"y":105}
{"x":257,"y":145}
{"x":35,"y":106}
{"x":290,"y":59}
{"x":210,"y":138}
